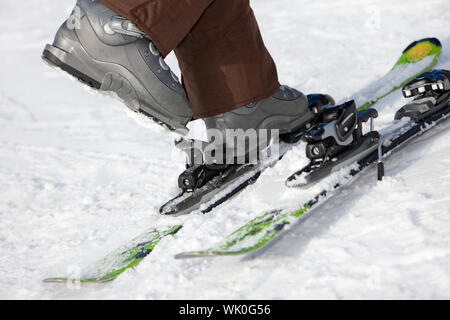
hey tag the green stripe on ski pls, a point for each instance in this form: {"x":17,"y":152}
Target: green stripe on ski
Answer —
{"x":121,"y":259}
{"x":265,"y":227}
{"x":419,"y":57}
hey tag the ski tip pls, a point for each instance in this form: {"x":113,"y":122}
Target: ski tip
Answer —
{"x":434,"y":41}
{"x":419,"y":50}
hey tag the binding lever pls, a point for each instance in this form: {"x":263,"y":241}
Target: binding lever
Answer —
{"x":431,"y":91}
{"x":336,"y":142}
{"x":340,"y":127}
{"x":201,"y":165}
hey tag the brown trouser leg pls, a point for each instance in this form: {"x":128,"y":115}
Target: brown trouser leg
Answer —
{"x":219,"y":48}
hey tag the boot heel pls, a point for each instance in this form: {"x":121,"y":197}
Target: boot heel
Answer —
{"x":55,"y":57}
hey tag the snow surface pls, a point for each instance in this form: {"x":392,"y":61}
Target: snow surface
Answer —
{"x":80,"y":176}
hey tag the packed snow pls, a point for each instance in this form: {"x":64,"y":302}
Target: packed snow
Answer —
{"x":80,"y":175}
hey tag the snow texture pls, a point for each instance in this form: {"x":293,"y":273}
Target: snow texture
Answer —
{"x":80,"y":175}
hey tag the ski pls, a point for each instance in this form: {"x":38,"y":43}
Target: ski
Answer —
{"x":121,"y":259}
{"x":203,"y":188}
{"x":430,"y":107}
{"x":418,"y":57}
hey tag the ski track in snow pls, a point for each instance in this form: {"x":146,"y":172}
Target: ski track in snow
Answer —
{"x":80,"y":176}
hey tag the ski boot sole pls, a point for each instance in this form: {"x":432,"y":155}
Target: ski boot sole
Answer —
{"x":111,"y":81}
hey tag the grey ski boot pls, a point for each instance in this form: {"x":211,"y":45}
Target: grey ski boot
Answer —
{"x":287,"y":111}
{"x":109,"y":53}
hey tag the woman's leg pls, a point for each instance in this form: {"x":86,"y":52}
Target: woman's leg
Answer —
{"x":224,"y":62}
{"x":221,"y":54}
